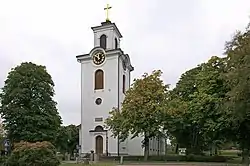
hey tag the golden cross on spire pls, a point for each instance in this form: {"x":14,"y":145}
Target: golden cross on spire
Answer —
{"x":107,"y":12}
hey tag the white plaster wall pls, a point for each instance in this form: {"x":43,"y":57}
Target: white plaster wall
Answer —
{"x":127,"y":145}
{"x":123,"y":147}
{"x":109,"y":99}
{"x":121,"y":73}
{"x":111,"y":96}
{"x":112,"y":144}
{"x":135,"y":147}
{"x":155,"y":145}
{"x":111,"y":35}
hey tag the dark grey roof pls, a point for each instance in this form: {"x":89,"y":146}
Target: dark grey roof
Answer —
{"x":78,"y":56}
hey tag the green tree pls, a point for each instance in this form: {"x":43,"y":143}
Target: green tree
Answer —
{"x":62,"y":138}
{"x":195,"y":105}
{"x":27,"y":107}
{"x":206,"y":105}
{"x":142,"y":110}
{"x":178,"y":117}
{"x":73,"y":140}
{"x":67,"y":138}
{"x":238,"y":78}
{"x":176,"y":122}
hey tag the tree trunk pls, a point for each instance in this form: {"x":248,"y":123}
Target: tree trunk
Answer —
{"x":146,"y":149}
{"x":158,"y":152}
{"x":245,"y":157}
{"x":211,"y":150}
{"x":177,"y":148}
{"x":166,"y":147}
{"x":216,"y":151}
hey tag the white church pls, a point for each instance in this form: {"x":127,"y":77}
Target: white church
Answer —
{"x":105,"y":76}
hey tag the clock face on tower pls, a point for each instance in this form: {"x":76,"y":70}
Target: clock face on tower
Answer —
{"x":98,"y":57}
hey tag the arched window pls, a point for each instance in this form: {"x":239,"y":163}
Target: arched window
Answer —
{"x":123,"y":83}
{"x":116,"y":43}
{"x":99,"y":128}
{"x":99,"y":79}
{"x":103,"y":41}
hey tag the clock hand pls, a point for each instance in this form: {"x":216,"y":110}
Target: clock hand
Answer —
{"x":96,"y":56}
{"x":99,"y":56}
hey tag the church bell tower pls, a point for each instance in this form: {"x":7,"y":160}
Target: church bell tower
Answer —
{"x":105,"y":76}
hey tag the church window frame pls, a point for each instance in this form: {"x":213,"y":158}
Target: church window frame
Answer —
{"x":99,"y":128}
{"x":116,"y":43}
{"x":99,"y":79}
{"x":123,"y":83}
{"x":103,"y":41}
{"x":98,"y":101}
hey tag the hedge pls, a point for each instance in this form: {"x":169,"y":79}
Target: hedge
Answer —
{"x":189,"y":158}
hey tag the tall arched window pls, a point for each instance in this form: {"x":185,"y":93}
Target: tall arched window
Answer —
{"x":99,"y":79}
{"x":123,"y":83}
{"x":103,"y":41}
{"x":116,"y":43}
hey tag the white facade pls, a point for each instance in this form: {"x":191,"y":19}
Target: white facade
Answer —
{"x":116,"y":77}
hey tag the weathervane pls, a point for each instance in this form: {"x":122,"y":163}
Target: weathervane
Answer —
{"x":107,"y":12}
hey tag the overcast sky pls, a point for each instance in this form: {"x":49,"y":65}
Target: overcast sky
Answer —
{"x":171,"y":35}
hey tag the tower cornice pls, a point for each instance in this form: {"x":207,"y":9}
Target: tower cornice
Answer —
{"x":106,"y":25}
{"x":108,"y":53}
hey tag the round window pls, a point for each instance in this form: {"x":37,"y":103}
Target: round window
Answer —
{"x":98,"y":101}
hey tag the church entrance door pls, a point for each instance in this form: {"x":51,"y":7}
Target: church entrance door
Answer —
{"x":99,"y":144}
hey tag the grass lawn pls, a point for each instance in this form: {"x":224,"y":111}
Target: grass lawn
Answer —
{"x":98,"y":164}
{"x":163,"y":164}
{"x":233,"y":162}
{"x":156,"y":164}
{"x":84,"y":164}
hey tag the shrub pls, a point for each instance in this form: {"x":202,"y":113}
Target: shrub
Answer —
{"x":229,"y":152}
{"x":33,"y":154}
{"x":3,"y":160}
